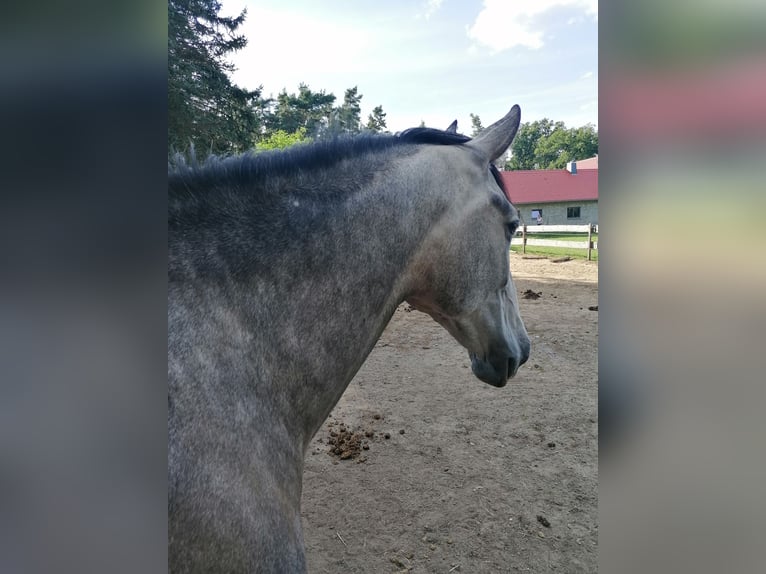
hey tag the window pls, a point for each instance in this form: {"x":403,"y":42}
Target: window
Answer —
{"x":573,"y":212}
{"x":537,"y":216}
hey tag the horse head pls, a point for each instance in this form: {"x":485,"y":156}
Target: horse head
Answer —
{"x":463,"y":274}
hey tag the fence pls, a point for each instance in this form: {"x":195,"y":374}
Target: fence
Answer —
{"x":522,"y":239}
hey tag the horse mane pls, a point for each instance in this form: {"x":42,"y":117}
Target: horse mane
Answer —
{"x":184,"y":171}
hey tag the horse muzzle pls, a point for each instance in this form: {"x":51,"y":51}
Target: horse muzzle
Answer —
{"x":495,"y":370}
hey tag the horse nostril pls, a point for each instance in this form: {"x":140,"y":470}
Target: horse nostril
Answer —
{"x":513,"y":367}
{"x":525,"y":350}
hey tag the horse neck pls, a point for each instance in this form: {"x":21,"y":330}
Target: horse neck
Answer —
{"x":322,"y":313}
{"x":283,"y":295}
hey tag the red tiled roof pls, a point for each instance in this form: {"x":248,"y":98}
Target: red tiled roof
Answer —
{"x":551,"y":185}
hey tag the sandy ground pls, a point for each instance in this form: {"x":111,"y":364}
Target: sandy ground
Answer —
{"x":471,"y":478}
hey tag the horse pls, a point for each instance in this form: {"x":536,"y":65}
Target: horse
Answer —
{"x":284,"y":267}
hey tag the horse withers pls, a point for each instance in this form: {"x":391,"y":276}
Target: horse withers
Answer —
{"x":284,"y":269}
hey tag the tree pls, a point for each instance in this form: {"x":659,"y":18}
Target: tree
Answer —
{"x":376,"y":121}
{"x":523,"y":155}
{"x":545,"y":144}
{"x":583,"y":142}
{"x":204,"y":107}
{"x":552,"y":151}
{"x":347,"y":117}
{"x":565,"y":145}
{"x":476,"y":127}
{"x":306,"y":109}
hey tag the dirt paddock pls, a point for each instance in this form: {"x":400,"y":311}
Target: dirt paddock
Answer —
{"x":423,"y":468}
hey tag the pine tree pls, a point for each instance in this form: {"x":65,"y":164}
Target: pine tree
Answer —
{"x":347,"y":117}
{"x":476,"y":127}
{"x":376,"y":121}
{"x":204,"y":107}
{"x":307,"y":109}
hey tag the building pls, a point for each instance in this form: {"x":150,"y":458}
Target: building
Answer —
{"x":556,"y":196}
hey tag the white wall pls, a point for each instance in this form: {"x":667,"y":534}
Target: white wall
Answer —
{"x":556,"y":213}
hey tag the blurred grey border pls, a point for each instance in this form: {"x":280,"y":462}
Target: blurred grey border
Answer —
{"x":83,"y":169}
{"x":83,"y":288}
{"x":682,"y":124}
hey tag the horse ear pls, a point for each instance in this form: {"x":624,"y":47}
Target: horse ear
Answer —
{"x":493,"y":141}
{"x":452,"y":129}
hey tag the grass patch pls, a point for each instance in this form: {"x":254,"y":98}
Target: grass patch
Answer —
{"x":562,"y":236}
{"x":557,"y":251}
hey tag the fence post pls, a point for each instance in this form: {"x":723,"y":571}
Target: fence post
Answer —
{"x":524,"y":238}
{"x":590,"y":239}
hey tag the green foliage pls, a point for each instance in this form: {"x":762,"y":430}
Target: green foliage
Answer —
{"x":476,"y":127}
{"x":280,"y":139}
{"x":204,"y":108}
{"x":376,"y":121}
{"x":314,"y":112}
{"x":553,"y":150}
{"x":526,"y":140}
{"x":545,"y":144}
{"x":583,"y":142}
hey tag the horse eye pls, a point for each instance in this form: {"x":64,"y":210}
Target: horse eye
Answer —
{"x":511,"y":228}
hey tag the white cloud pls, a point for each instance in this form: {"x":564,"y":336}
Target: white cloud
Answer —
{"x":286,"y":47}
{"x":586,"y":75}
{"x":502,"y":24}
{"x":432,"y":6}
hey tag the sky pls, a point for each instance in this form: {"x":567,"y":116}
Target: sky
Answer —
{"x":429,"y":60}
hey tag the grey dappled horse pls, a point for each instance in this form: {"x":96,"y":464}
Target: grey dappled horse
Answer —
{"x":284,"y":269}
